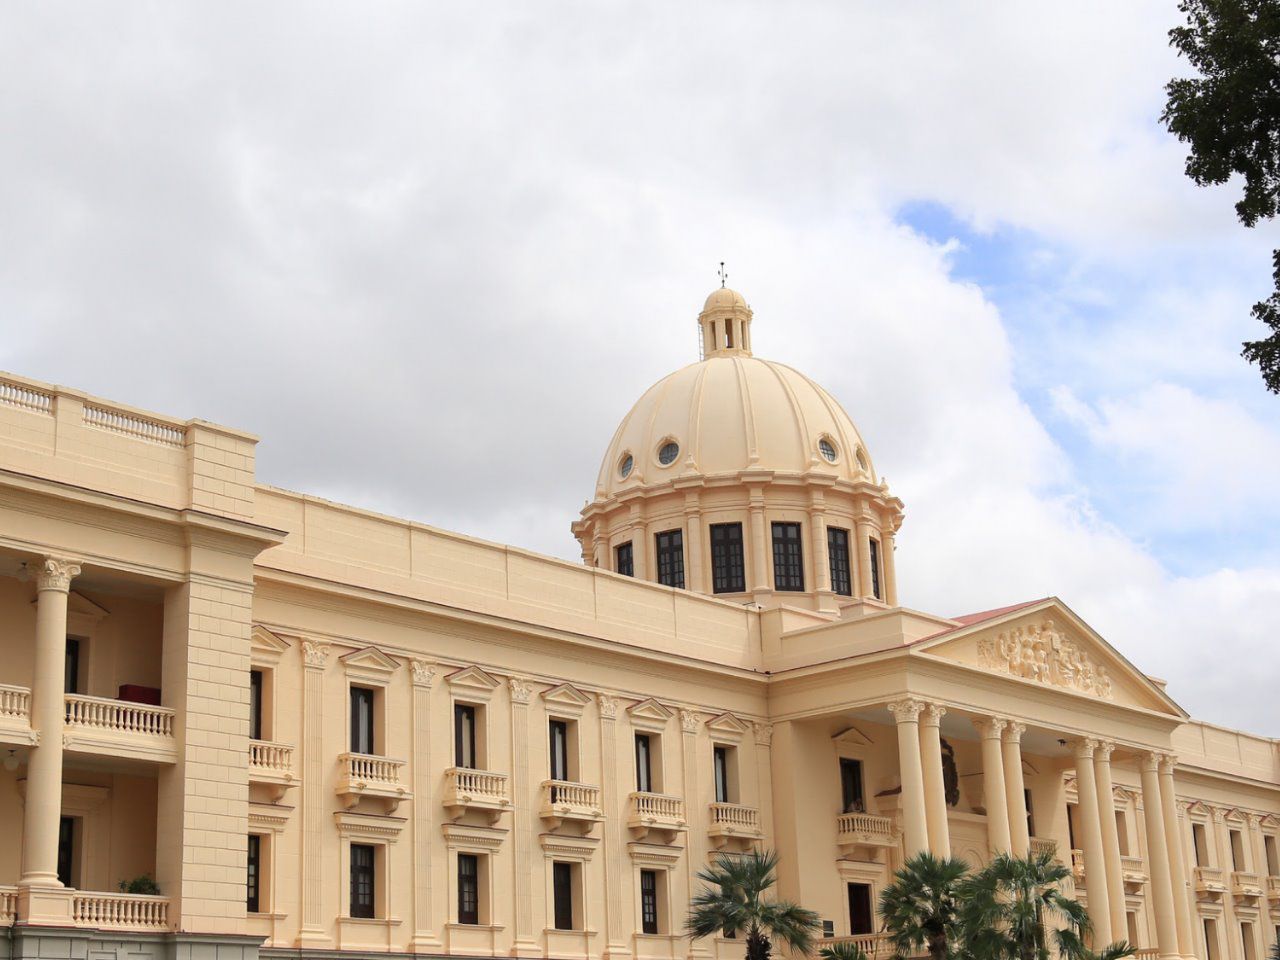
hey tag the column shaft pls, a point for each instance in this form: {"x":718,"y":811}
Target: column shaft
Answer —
{"x":423,"y":807}
{"x":935,"y":793}
{"x":890,"y":569}
{"x":1015,"y":789}
{"x":915,"y":836}
{"x":863,"y":532}
{"x":1110,"y":838}
{"x":521,"y":796}
{"x":759,"y":543}
{"x":994,"y":794}
{"x":611,"y":799}
{"x":1177,"y":863}
{"x":1095,"y":863}
{"x":43,"y":808}
{"x":1158,"y":858}
{"x":694,"y":548}
{"x":315,"y":656}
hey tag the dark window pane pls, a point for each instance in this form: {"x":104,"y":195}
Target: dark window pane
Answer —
{"x":255,"y":704}
{"x":851,"y":785}
{"x":860,"y":918}
{"x":562,"y":887}
{"x":788,"y":560}
{"x":623,"y":560}
{"x":362,"y":857}
{"x":464,"y":736}
{"x":361,"y":720}
{"x":670,"y":547}
{"x":875,"y":568}
{"x":559,"y":750}
{"x":66,"y":849}
{"x":71,"y":678}
{"x":720,"y":758}
{"x":644,"y":770}
{"x":728,"y":573}
{"x":468,"y":888}
{"x":254,"y":875}
{"x":838,"y":556}
{"x":648,"y":901}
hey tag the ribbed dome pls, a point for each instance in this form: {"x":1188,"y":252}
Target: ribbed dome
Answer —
{"x":727,"y":414}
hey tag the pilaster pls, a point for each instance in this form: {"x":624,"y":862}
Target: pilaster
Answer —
{"x":424,"y":940}
{"x":315,"y":658}
{"x":521,"y":794}
{"x":616,"y":874}
{"x":696,"y":813}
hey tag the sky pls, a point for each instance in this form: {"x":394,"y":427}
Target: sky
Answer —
{"x":432,"y":253}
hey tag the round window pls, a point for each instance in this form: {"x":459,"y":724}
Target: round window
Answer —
{"x":827,"y":449}
{"x":625,"y":466}
{"x":668,"y":452}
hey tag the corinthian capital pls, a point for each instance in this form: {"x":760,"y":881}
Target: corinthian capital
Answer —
{"x":906,"y":710}
{"x":990,"y":728}
{"x":1013,"y":731}
{"x":933,"y":714}
{"x":1102,"y":752}
{"x":56,"y":573}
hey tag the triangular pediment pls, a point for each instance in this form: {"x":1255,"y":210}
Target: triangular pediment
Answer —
{"x":266,"y":647}
{"x":852,"y":735}
{"x":370,"y":658}
{"x":566,"y":697}
{"x":649,"y":714}
{"x":727,"y":725}
{"x":1046,"y":643}
{"x":474,"y":680}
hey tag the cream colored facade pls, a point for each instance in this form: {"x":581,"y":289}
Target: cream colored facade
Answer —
{"x":490,"y":746}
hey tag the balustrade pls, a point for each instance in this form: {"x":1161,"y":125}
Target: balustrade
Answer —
{"x":265,"y":756}
{"x":120,"y":911}
{"x":655,"y":812}
{"x":563,"y":800}
{"x":1210,"y":883}
{"x":15,"y":704}
{"x":734,"y":821}
{"x":468,"y":789}
{"x":8,"y":906}
{"x":872,"y":944}
{"x":119,"y":421}
{"x":365,"y":775}
{"x":1246,"y":885}
{"x":118,"y":716}
{"x":864,"y":829}
{"x":1039,"y":846}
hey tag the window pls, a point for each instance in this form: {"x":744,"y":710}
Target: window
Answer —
{"x":1238,"y":861}
{"x":861,"y":918}
{"x":668,"y":452}
{"x":253,"y":876}
{"x":828,"y":929}
{"x":468,"y":888}
{"x":71,"y":676}
{"x":1201,"y":844}
{"x":464,"y":736}
{"x":361,"y":720}
{"x":1273,"y":856}
{"x":875,"y":567}
{"x":1131,"y":925}
{"x":363,"y":856}
{"x":1246,"y":940}
{"x":838,"y":557}
{"x":559,"y":730}
{"x":625,"y":466}
{"x":670,"y":544}
{"x":255,"y":704}
{"x":623,"y":561}
{"x":1122,"y":832}
{"x":1211,"y":951}
{"x":788,"y":563}
{"x":644,"y":764}
{"x":724,"y":762}
{"x":649,"y":901}
{"x":851,"y":786}
{"x":1071,"y":826}
{"x":562,"y":893}
{"x":1031,"y":817}
{"x":728,"y":573}
{"x":67,"y":851}
{"x":828,"y":450}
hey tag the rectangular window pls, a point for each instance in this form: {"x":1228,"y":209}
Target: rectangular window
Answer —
{"x":1201,"y":844}
{"x":838,"y":557}
{"x":1238,"y":861}
{"x":1071,"y":826}
{"x":1211,"y":950}
{"x":875,"y":567}
{"x":1273,"y":856}
{"x":670,"y":546}
{"x":363,"y":856}
{"x":66,"y":850}
{"x":851,"y":786}
{"x":253,"y":876}
{"x":361,"y":720}
{"x":1246,"y":941}
{"x":723,"y":781}
{"x":861,"y":918}
{"x":828,"y":929}
{"x":562,"y":890}
{"x":649,"y":901}
{"x":623,"y":560}
{"x":1131,"y":925}
{"x":788,"y":560}
{"x":71,"y":675}
{"x":728,"y":571}
{"x":559,"y":731}
{"x":468,"y":888}
{"x":255,"y":704}
{"x":1031,"y":817}
{"x":644,"y":764}
{"x":464,"y":736}
{"x":1122,"y":832}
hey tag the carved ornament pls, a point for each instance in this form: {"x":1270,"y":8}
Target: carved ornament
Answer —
{"x":424,"y":672}
{"x":608,"y":704}
{"x":315,"y":654}
{"x":1042,"y":652}
{"x":521,"y":690}
{"x":55,"y":573}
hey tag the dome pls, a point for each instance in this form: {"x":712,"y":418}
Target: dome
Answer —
{"x":728,"y":414}
{"x":723,"y":298}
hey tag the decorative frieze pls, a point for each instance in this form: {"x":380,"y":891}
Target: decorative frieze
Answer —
{"x":1043,"y":653}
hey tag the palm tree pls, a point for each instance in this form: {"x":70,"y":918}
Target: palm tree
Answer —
{"x":1010,"y":905}
{"x":1275,"y":950}
{"x":844,"y":950}
{"x":921,"y":908}
{"x":733,"y":901}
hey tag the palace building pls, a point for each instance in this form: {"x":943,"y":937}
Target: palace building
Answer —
{"x":237,"y":720}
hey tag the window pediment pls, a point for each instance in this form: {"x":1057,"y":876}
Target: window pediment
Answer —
{"x":473,"y":682}
{"x":649,"y":715}
{"x":566,"y":698}
{"x":727,"y":727}
{"x":370,"y":665}
{"x":367,"y":826}
{"x":266,"y":648}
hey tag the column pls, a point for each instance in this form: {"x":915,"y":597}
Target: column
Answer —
{"x":315,"y":656}
{"x":694,"y":548}
{"x":1014,"y":789}
{"x":1095,"y":864}
{"x":521,"y":798}
{"x":424,"y":805}
{"x":915,"y":835}
{"x":43,"y":807}
{"x":887,"y":545}
{"x":611,"y":799}
{"x":1177,"y":862}
{"x":696,"y":807}
{"x":862,"y":530}
{"x":764,"y":782}
{"x":1158,"y":857}
{"x":759,"y":544}
{"x":1110,"y":837}
{"x":993,"y":790}
{"x":819,"y":556}
{"x":935,"y":793}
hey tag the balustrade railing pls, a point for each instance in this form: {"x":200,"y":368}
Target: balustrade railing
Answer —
{"x":569,"y":794}
{"x":872,"y":944}
{"x":864,"y":824}
{"x":119,"y":716}
{"x":15,"y":703}
{"x":270,"y":757}
{"x":118,"y":421}
{"x":16,"y":395}
{"x":657,"y":807}
{"x":8,"y":906}
{"x":735,"y":817}
{"x":365,"y":768}
{"x":1039,"y":845}
{"x":1273,"y":886}
{"x":120,"y":911}
{"x":1246,"y":884}
{"x":1077,"y":863}
{"x":468,"y":785}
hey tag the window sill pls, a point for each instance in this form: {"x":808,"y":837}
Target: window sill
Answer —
{"x":251,"y":915}
{"x":575,"y":932}
{"x":495,"y":927}
{"x":656,"y":937}
{"x":372,"y":921}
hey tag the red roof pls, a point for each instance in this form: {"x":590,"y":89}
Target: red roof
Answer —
{"x":969,"y":619}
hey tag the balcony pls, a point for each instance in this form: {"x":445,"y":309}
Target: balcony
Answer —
{"x":872,"y":944}
{"x":1039,"y":845}
{"x":119,"y":911}
{"x":734,"y":823}
{"x":1134,"y":873}
{"x":862,"y":830}
{"x":467,"y":790}
{"x":566,"y":802}
{"x":15,"y":716}
{"x":1245,"y":886}
{"x":361,"y":775}
{"x":271,"y":764}
{"x":1077,"y":865}
{"x":119,"y":728}
{"x":655,"y":814}
{"x":1273,"y":888}
{"x":1210,"y":884}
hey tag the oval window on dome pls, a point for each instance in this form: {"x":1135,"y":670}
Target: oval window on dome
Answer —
{"x":668,"y":452}
{"x":828,"y":450}
{"x":862,"y":461}
{"x":625,"y":466}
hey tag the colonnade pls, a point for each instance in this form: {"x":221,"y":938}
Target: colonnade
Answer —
{"x":924,"y":817}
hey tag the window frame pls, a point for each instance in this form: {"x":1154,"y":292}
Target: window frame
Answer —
{"x":839,"y":561}
{"x":467,"y":735}
{"x":563,"y":894}
{"x":356,"y":909}
{"x":650,"y":903}
{"x":468,"y":881}
{"x":870,"y":924}
{"x":624,"y":559}
{"x":873,"y":551}
{"x":728,"y":558}
{"x":855,"y":784}
{"x":644,"y":762}
{"x":788,"y":555}
{"x":257,"y":682}
{"x":253,"y":874}
{"x":359,"y":694}
{"x":668,"y":546}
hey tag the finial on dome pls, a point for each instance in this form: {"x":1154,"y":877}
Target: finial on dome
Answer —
{"x":725,"y":322}
{"x":723,"y":275}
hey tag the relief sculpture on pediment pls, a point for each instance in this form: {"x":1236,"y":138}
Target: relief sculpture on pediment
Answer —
{"x":1042,"y":652}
